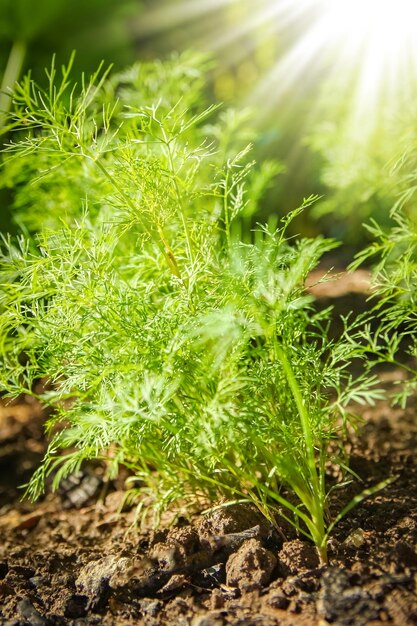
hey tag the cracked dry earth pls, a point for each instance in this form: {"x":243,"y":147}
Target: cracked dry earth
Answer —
{"x":71,"y":560}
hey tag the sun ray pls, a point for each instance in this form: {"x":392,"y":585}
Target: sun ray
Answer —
{"x":368,"y":47}
{"x":169,"y":15}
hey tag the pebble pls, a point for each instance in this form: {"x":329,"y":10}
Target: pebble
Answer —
{"x":150,"y":607}
{"x":28,"y":611}
{"x":278,"y":600}
{"x":38,"y":581}
{"x":356,"y":539}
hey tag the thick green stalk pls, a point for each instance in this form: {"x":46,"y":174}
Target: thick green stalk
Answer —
{"x":317,"y":528}
{"x":10,"y":76}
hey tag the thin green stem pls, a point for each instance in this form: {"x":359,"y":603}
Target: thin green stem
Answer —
{"x":161,"y":242}
{"x":11,"y":75}
{"x":178,"y":195}
{"x":406,"y":368}
{"x":226,"y":211}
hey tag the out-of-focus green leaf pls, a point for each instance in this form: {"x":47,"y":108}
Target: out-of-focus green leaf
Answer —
{"x":24,"y":20}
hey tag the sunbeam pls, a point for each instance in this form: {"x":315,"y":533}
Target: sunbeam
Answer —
{"x":369,"y":46}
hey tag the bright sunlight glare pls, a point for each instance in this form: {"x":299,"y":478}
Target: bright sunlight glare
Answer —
{"x":379,"y":36}
{"x":366,"y":47}
{"x":370,"y":42}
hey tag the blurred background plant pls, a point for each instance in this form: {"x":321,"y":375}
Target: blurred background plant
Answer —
{"x":97,"y":29}
{"x":42,"y":197}
{"x":30,"y":34}
{"x":366,"y":168}
{"x":331,"y":88}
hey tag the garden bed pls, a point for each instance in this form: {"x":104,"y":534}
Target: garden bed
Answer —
{"x":71,"y":559}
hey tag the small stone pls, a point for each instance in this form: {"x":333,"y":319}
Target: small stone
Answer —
{"x":356,"y":539}
{"x":93,"y":573}
{"x":232,"y":541}
{"x":278,"y":600}
{"x":176,"y":582}
{"x":251,"y":567}
{"x":28,"y":611}
{"x":37,"y":581}
{"x":150,"y":607}
{"x":96,"y":579}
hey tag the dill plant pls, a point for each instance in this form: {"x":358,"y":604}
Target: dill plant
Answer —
{"x":88,"y":116}
{"x":171,"y":344}
{"x":393,"y":253}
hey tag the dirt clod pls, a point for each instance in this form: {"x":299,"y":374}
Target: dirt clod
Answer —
{"x":150,"y":607}
{"x":278,"y":600}
{"x":59,"y":567}
{"x":343,"y":602}
{"x":297,"y":556}
{"x":215,"y":619}
{"x":251,"y":567}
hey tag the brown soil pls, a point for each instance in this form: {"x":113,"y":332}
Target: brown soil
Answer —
{"x":71,"y":559}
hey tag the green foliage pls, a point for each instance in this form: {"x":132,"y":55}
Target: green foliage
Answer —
{"x":365,"y":160}
{"x":394,"y":254}
{"x":18,"y":21}
{"x":97,"y":29}
{"x":59,"y":25}
{"x":167,"y":343}
{"x":147,"y":100}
